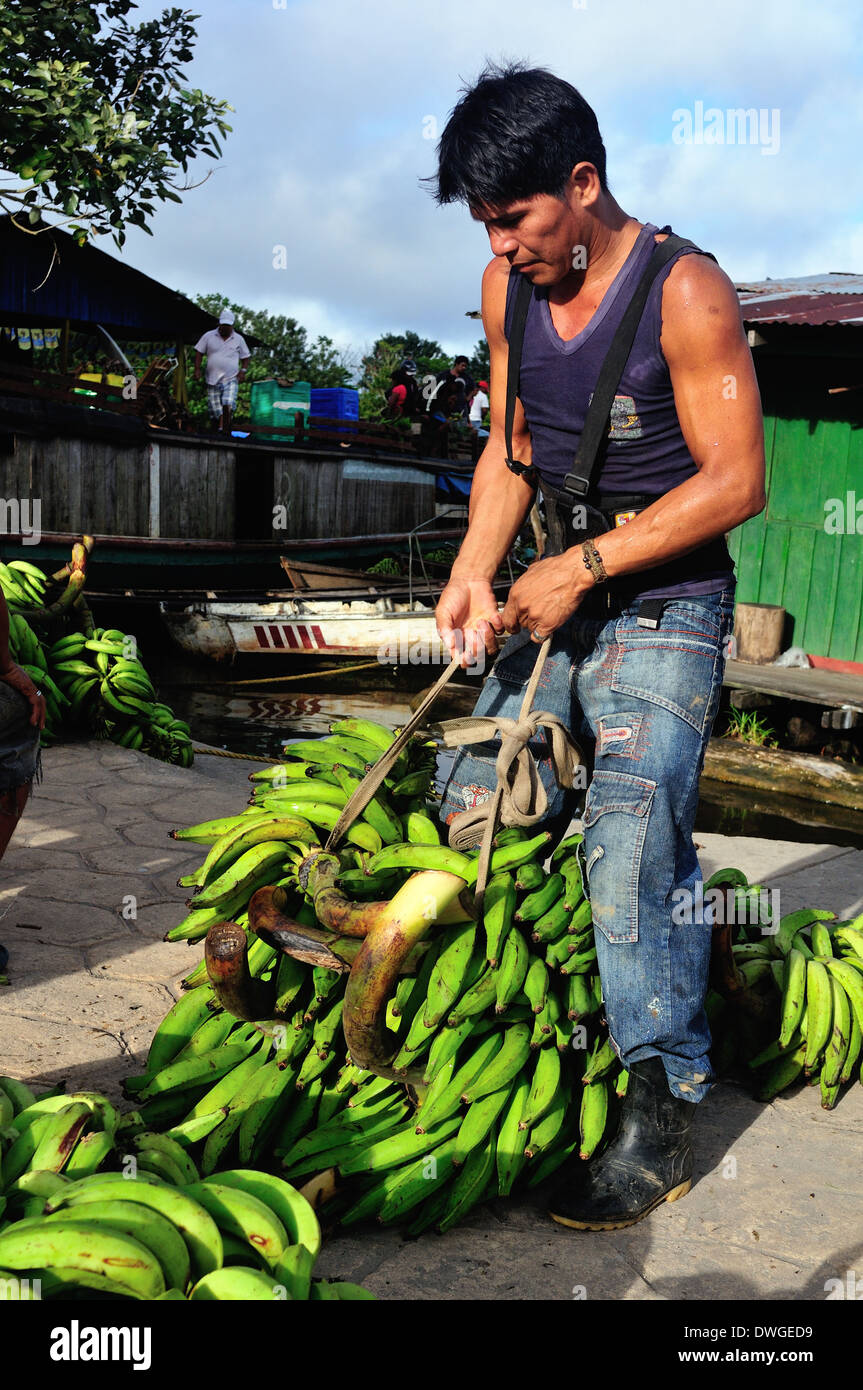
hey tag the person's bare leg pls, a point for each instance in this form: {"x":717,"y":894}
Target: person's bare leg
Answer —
{"x":12,"y":805}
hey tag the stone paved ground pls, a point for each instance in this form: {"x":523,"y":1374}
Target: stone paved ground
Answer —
{"x":775,"y":1209}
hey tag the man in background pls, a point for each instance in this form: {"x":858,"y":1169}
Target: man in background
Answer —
{"x":227,"y":354}
{"x":477,"y":413}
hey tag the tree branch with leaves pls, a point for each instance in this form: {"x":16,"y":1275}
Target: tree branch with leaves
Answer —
{"x":97,"y":123}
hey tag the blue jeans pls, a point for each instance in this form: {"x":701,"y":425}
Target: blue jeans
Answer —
{"x":647,"y":699}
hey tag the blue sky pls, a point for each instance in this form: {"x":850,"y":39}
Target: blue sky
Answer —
{"x":332,"y":100}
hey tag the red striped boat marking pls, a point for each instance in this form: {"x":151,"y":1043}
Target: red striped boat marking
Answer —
{"x":277,"y":635}
{"x":261,"y":634}
{"x":291,"y":637}
{"x":318,"y":636}
{"x":305,"y":637}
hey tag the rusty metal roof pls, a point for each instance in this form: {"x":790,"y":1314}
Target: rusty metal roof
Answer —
{"x":836,"y":298}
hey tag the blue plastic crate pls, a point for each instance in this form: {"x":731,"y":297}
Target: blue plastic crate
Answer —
{"x":335,"y":403}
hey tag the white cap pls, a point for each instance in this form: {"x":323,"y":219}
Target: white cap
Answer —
{"x":226,"y":316}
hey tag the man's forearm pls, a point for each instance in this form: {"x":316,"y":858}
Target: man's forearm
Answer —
{"x":697,"y":511}
{"x":499,"y":502}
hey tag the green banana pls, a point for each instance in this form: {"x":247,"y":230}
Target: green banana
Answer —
{"x":479,"y":1121}
{"x":593,"y":1113}
{"x":449,"y":974}
{"x":509,"y":1062}
{"x":514,"y":962}
{"x":498,"y":910}
{"x":793,"y":995}
{"x":247,"y":872}
{"x":153,"y":1230}
{"x":470,"y":1183}
{"x":239,"y":1213}
{"x":544,"y":1087}
{"x":819,"y":1003}
{"x":538,"y":903}
{"x":840,"y":1036}
{"x":196,"y":1226}
{"x":107,"y":1253}
{"x":510,"y":1157}
{"x":177,"y":1027}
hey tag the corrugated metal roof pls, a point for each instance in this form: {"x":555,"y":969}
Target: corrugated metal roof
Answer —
{"x":836,"y":298}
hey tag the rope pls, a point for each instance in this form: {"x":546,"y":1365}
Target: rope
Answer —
{"x":519,"y":797}
{"x":223,"y":753}
{"x":304,"y":675}
{"x":375,"y":775}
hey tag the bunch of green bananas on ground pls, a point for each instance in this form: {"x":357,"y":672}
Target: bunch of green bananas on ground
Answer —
{"x":110,"y":692}
{"x":815,"y":966}
{"x":93,"y":681}
{"x":297,"y":803}
{"x":497,"y":1026}
{"x":806,"y":971}
{"x":27,"y":651}
{"x":132,"y":1216}
{"x":24,"y":585}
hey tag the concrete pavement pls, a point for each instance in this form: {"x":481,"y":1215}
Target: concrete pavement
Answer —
{"x":88,"y":889}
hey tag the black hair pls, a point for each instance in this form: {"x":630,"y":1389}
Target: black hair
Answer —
{"x":460,"y":357}
{"x":517,"y":132}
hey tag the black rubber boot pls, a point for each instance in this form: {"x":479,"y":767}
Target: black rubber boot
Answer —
{"x":650,"y":1160}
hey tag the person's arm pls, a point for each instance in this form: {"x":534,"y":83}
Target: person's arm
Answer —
{"x":14,"y":676}
{"x":243,"y":366}
{"x":719,"y":408}
{"x":198,"y":358}
{"x":499,"y":499}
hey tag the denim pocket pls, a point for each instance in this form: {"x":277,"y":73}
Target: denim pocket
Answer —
{"x":615,"y":820}
{"x":675,"y":665}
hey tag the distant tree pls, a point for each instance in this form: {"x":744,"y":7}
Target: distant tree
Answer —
{"x":385,"y":357}
{"x":285,"y":353}
{"x":479,"y":365}
{"x":411,"y":345}
{"x":96,"y":121}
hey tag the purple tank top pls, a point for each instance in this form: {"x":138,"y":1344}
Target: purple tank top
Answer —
{"x":646,"y":451}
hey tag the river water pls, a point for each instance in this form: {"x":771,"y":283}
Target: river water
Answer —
{"x":259,"y":718}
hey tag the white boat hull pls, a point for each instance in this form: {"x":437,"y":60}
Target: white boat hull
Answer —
{"x":394,"y":634}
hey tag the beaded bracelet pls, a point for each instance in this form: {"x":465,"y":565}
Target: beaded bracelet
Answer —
{"x":593,"y":561}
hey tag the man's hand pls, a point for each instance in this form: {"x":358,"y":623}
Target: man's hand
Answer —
{"x":20,"y":681}
{"x":468,"y":619}
{"x":547,"y":594}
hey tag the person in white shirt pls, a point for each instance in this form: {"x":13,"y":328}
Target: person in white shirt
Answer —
{"x":227,"y":354}
{"x":476,"y":413}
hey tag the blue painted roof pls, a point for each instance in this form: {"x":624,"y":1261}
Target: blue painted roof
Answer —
{"x":47,"y":278}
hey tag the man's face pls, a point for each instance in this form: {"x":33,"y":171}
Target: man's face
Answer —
{"x":537,"y":235}
{"x":225,"y":330}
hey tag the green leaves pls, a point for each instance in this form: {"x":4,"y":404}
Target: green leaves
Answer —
{"x":96,"y":115}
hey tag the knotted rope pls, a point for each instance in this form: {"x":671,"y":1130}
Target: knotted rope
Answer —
{"x":519,"y":797}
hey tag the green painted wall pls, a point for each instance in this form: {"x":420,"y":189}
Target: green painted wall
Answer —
{"x":786,"y":555}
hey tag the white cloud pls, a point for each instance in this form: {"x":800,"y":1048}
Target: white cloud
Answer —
{"x":330,"y":99}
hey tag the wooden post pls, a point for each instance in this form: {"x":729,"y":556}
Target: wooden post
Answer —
{"x":758,"y":629}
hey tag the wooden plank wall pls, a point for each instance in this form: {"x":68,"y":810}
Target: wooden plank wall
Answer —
{"x":83,"y":484}
{"x":104,"y":487}
{"x":196,"y":489}
{"x":329,"y":497}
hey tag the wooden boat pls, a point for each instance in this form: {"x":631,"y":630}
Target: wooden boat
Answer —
{"x":394,"y":633}
{"x":311,"y":574}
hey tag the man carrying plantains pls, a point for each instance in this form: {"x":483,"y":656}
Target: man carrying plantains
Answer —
{"x":639,"y":612}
